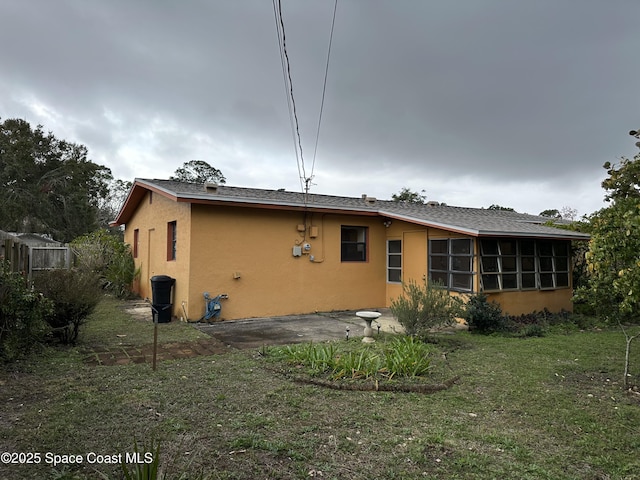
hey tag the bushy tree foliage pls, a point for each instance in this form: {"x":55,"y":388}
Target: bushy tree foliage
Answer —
{"x":613,"y":258}
{"x":407,"y":196}
{"x":198,"y":171}
{"x":105,"y":255}
{"x":500,"y":207}
{"x":110,"y":205}
{"x":47,"y":185}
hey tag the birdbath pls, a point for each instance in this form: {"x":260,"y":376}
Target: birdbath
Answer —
{"x":368,"y":331}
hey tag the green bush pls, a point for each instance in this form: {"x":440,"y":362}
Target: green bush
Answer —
{"x":423,"y":307}
{"x":74,"y":295}
{"x":107,"y":256}
{"x":482,"y":316}
{"x":22,"y":313}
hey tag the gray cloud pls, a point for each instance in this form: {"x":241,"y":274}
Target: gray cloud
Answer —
{"x":476,"y":101}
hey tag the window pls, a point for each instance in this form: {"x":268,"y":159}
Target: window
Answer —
{"x":136,"y":240}
{"x":353,"y":247}
{"x":171,"y":240}
{"x":509,"y":264}
{"x":451,"y":263}
{"x":394,"y":261}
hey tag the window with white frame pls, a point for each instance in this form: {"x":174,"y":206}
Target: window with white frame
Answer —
{"x":523,"y":264}
{"x":451,"y":263}
{"x":394,"y":261}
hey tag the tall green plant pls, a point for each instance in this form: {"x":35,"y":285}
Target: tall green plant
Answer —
{"x":104,"y":254}
{"x":422,"y":307}
{"x":22,"y":313}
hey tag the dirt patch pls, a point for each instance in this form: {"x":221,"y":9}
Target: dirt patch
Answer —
{"x":144,"y":353}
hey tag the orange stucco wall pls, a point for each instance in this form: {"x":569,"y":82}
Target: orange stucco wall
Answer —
{"x":151,"y":218}
{"x":247,"y":253}
{"x":415,"y":266}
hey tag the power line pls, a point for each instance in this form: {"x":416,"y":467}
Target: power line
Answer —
{"x":291,"y":103}
{"x":324,"y":88}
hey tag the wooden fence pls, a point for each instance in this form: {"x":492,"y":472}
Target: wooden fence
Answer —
{"x":23,"y":258}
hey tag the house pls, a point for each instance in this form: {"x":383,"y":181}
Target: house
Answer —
{"x":275,"y":252}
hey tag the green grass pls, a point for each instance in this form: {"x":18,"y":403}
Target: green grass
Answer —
{"x":532,"y":408}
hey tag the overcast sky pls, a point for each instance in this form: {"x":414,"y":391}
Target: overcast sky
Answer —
{"x":478,"y":102}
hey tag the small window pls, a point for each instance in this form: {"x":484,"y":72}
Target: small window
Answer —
{"x":353,"y":244}
{"x":171,"y":240}
{"x":136,"y":240}
{"x":394,"y":261}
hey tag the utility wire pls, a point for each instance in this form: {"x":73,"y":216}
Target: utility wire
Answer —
{"x":291,"y":103}
{"x":324,"y":89}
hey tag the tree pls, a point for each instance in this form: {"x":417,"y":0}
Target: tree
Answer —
{"x":110,"y":205}
{"x":500,"y":207}
{"x":407,"y":196}
{"x":198,"y":171}
{"x":551,"y":213}
{"x":613,"y":259}
{"x":565,"y":213}
{"x":47,"y":185}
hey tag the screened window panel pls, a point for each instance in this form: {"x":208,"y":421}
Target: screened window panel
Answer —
{"x":509,"y":281}
{"x":395,"y":261}
{"x":546,"y":280}
{"x":509,"y":264}
{"x":490,"y":264}
{"x":439,"y":263}
{"x":440,"y":277}
{"x":439,"y":246}
{"x":461,"y":264}
{"x":462,"y":281}
{"x":461,"y":246}
{"x":528,"y":280}
{"x":490,"y":282}
{"x":394,"y":276}
{"x":528,"y":264}
{"x":546,"y":264}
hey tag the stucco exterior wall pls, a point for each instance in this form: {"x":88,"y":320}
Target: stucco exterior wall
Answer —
{"x":151,"y":218}
{"x":415,"y":244}
{"x":527,"y":301}
{"x":247,"y":254}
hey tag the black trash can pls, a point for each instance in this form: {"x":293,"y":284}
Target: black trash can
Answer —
{"x":161,"y":286}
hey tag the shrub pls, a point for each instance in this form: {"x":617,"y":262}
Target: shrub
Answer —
{"x":423,"y":307}
{"x":22,"y":313}
{"x":74,"y":294}
{"x":482,"y":316}
{"x":107,"y":256}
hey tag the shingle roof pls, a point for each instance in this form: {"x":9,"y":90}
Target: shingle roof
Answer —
{"x":471,"y":221}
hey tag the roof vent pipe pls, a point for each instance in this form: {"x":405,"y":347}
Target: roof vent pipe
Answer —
{"x":211,"y":187}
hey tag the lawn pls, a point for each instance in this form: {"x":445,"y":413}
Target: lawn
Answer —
{"x":541,"y":408}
